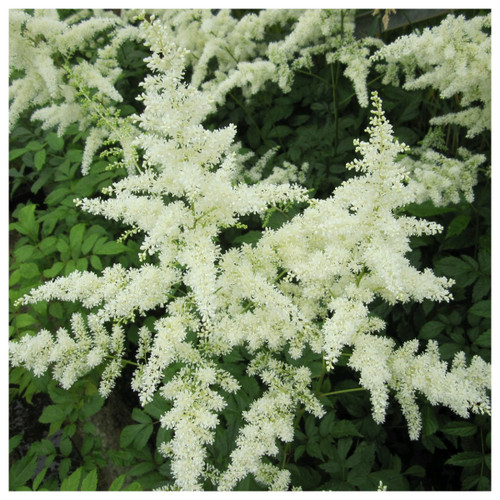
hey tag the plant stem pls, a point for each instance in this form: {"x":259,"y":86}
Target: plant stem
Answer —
{"x":344,"y":391}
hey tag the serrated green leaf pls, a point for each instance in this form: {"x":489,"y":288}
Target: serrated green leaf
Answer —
{"x":54,"y":270}
{"x":142,"y":468}
{"x":22,"y":471}
{"x":109,"y":248}
{"x":458,"y":225}
{"x":96,"y":263}
{"x":344,"y":428}
{"x":52,"y":413}
{"x":431,"y":330}
{"x":75,"y":239}
{"x":24,"y":252}
{"x":484,"y":340}
{"x":465,"y":459}
{"x":460,"y":270}
{"x":117,"y":483}
{"x":482,"y":309}
{"x":461,"y":429}
{"x":39,"y":478}
{"x":140,"y":416}
{"x":16,"y":153}
{"x":39,"y":159}
{"x":430,"y":423}
{"x":481,"y":288}
{"x":92,"y":406}
{"x":29,"y":270}
{"x":65,"y":446}
{"x":14,"y":442}
{"x":415,"y":470}
{"x":23,"y":320}
{"x":55,"y":142}
{"x":88,"y":242}
{"x":135,"y":486}
{"x":89,"y":482}
{"x":72,"y":482}
{"x":75,"y":155}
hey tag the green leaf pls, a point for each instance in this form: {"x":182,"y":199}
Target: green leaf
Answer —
{"x":343,"y":447}
{"x":22,"y":471}
{"x":92,"y":406}
{"x":142,"y":468}
{"x":141,"y":417}
{"x":88,"y":243}
{"x":29,"y":270}
{"x":481,"y":288}
{"x":75,"y":239}
{"x":250,"y":237}
{"x":89,"y":482}
{"x":462,"y":271}
{"x":415,"y":470}
{"x":24,"y":252}
{"x":75,"y":155}
{"x":65,"y":446}
{"x":143,"y":435}
{"x":344,"y":428}
{"x":96,"y":263}
{"x":109,"y":248}
{"x":461,"y":429}
{"x":117,"y":483}
{"x":54,"y":270}
{"x":72,"y":482}
{"x":16,"y":153}
{"x":127,"y":435}
{"x":55,"y":142}
{"x":39,"y":478}
{"x":40,"y":157}
{"x":14,"y":442}
{"x":24,"y":319}
{"x":465,"y":459}
{"x":429,"y":421}
{"x":34,"y":146}
{"x":484,"y":340}
{"x":482,"y":309}
{"x":27,"y":223}
{"x":458,"y":225}
{"x":87,"y":445}
{"x":52,"y":413}
{"x":57,"y":195}
{"x":431,"y":330}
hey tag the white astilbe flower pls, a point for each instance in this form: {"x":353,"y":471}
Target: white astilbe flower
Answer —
{"x":193,"y":418}
{"x":269,"y":418}
{"x":246,"y":61}
{"x":453,"y":58}
{"x":73,"y":356}
{"x":435,"y":177}
{"x":34,"y":41}
{"x":461,"y":388}
{"x":53,"y":92}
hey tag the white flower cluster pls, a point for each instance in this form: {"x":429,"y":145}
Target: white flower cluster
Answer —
{"x":74,"y":355}
{"x":269,"y":418}
{"x":45,"y":75}
{"x":453,"y":58}
{"x":433,"y":176}
{"x":243,"y":58}
{"x":308,"y":284}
